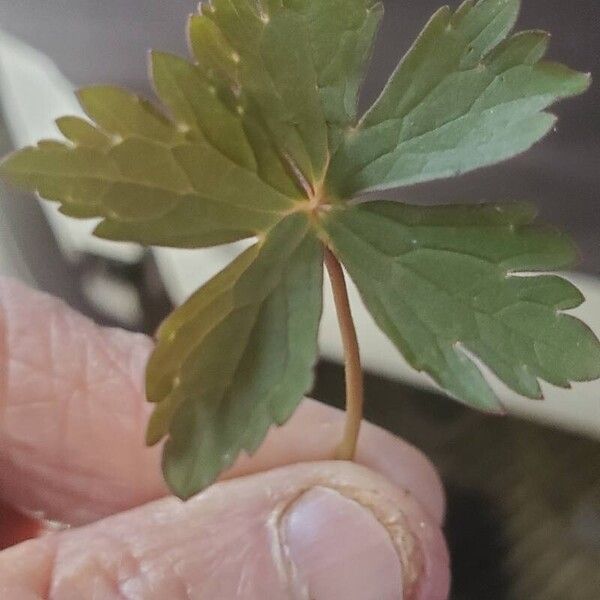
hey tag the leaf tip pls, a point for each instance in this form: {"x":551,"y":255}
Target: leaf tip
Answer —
{"x":151,"y":438}
{"x":158,"y":58}
{"x":178,"y":478}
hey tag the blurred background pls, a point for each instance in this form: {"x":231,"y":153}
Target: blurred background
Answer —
{"x":524,"y":491}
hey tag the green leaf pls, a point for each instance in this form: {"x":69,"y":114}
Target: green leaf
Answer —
{"x":83,"y":133}
{"x":237,"y":357}
{"x":448,"y":282}
{"x":188,"y":195}
{"x":258,"y":58}
{"x":193,"y":103}
{"x":123,"y":115}
{"x":341,"y":40}
{"x":464,"y":96}
{"x":294,"y":66}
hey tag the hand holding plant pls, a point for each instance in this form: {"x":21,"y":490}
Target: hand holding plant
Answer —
{"x":263,"y":140}
{"x":71,"y":449}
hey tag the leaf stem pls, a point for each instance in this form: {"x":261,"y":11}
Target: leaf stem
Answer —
{"x":353,"y":369}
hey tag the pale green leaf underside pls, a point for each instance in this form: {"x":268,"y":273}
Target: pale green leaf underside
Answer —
{"x":464,"y":96}
{"x":442,"y":281}
{"x":237,"y":357}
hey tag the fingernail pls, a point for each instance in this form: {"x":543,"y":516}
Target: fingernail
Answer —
{"x":338,"y":549}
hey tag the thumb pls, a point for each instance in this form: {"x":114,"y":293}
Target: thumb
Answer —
{"x":323,"y":531}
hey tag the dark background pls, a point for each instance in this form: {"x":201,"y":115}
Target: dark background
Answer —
{"x":523,"y":501}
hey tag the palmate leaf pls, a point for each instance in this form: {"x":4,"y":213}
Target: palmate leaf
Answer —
{"x":444,"y":282}
{"x":260,"y":138}
{"x":464,"y":96}
{"x":237,"y":356}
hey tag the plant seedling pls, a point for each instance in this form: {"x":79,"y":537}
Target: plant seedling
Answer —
{"x":261,"y":139}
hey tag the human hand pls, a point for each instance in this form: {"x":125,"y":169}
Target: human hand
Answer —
{"x":282,"y":525}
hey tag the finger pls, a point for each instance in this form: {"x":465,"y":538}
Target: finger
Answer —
{"x":71,"y":410}
{"x":15,"y":527}
{"x":73,"y":417}
{"x":321,"y":531}
{"x":313,"y":434}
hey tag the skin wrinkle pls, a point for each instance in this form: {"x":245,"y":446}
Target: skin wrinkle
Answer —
{"x":62,"y":552}
{"x":83,"y":386}
{"x":50,"y":547}
{"x":134,"y":568}
{"x":63,"y":439}
{"x":70,"y":324}
{"x":87,"y":484}
{"x":52,"y":463}
{"x":108,"y":346}
{"x":73,"y":343}
{"x":280,"y":551}
{"x":142,"y":409}
{"x":49,"y":373}
{"x":245,"y":575}
{"x":51,"y":568}
{"x":183,"y":586}
{"x":381,"y":504}
{"x":111,"y":582}
{"x":148,"y":556}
